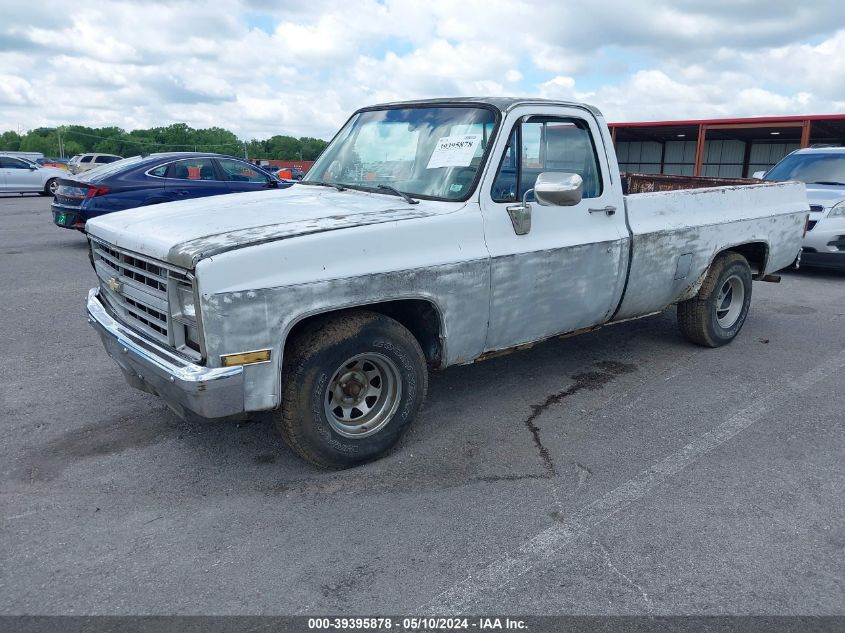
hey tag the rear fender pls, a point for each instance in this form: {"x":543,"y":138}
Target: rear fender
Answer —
{"x":756,"y":253}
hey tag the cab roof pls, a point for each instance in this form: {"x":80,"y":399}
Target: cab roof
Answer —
{"x":503,"y":104}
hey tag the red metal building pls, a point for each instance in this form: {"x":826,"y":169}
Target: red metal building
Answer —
{"x":302,"y":165}
{"x":720,"y":147}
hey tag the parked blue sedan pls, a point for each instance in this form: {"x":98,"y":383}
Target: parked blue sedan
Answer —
{"x":153,"y":179}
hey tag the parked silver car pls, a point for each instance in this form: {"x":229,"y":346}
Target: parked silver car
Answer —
{"x":823,"y":171}
{"x":18,"y":175}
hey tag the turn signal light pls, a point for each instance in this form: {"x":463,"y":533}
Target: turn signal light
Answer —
{"x":245,"y":358}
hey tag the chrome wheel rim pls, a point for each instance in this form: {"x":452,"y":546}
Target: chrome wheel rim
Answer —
{"x":54,"y":185}
{"x":729,"y":301}
{"x":363,"y":395}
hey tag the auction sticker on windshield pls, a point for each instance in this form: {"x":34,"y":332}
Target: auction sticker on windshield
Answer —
{"x":454,"y":151}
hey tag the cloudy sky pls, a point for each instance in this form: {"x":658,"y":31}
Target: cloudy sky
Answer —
{"x":264,"y":67}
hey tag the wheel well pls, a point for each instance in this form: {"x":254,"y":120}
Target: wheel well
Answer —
{"x":756,"y":253}
{"x":420,"y":317}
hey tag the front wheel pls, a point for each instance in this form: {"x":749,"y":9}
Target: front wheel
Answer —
{"x":716,"y":314}
{"x":352,"y":385}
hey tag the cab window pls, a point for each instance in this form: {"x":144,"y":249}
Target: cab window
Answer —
{"x":540,"y":144}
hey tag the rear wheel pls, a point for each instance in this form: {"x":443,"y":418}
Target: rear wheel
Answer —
{"x":50,"y":187}
{"x":717,"y":313}
{"x":352,"y":385}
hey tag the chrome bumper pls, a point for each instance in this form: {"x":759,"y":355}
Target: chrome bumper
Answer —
{"x":184,"y":386}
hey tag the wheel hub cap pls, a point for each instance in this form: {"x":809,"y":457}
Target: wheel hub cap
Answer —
{"x":729,"y":301}
{"x":363,"y":395}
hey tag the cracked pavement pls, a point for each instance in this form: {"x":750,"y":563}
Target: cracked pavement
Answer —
{"x":622,"y":471}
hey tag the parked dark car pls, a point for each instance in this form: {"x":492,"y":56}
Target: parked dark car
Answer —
{"x":153,"y":179}
{"x":284,"y":173}
{"x":296,"y":174}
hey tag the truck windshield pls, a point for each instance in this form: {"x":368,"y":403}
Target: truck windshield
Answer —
{"x":428,"y":152}
{"x":821,"y":169}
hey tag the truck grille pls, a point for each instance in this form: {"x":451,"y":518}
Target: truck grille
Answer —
{"x":135,"y":288}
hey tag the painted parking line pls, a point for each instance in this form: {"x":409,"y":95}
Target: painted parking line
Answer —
{"x":556,"y":539}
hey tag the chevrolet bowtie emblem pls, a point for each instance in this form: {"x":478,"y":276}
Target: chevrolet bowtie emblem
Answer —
{"x":114,"y":284}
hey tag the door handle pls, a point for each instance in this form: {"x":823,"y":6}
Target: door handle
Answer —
{"x":608,"y":210}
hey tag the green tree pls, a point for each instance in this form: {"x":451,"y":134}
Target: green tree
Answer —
{"x":10,"y":141}
{"x":80,"y":139}
{"x":312,"y":147}
{"x":41,"y":140}
{"x":72,"y":148}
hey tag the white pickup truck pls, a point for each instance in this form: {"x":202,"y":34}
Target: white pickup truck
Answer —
{"x":428,"y":234}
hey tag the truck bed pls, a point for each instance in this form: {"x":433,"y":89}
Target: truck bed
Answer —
{"x":677,"y":232}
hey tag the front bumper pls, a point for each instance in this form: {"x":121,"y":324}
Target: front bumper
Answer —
{"x":814,"y":259}
{"x":185,"y":387}
{"x":824,"y":244}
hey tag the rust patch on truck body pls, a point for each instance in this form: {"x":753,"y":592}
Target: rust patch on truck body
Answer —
{"x":265,"y":317}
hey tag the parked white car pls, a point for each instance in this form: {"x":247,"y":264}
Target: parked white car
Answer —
{"x":18,"y":175}
{"x":823,"y":170}
{"x":84,"y":162}
{"x":427,"y":234}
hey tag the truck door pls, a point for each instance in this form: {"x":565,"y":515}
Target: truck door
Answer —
{"x":568,"y":271}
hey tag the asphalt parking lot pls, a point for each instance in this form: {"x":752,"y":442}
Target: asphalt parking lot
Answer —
{"x":620,"y":472}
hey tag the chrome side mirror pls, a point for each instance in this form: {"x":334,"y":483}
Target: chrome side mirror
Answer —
{"x":558,"y":189}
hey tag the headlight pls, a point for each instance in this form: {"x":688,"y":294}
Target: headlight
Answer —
{"x":185,"y":307}
{"x":185,"y":312}
{"x":838,"y":210}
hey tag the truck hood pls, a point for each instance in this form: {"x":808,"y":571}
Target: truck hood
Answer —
{"x":184,"y":232}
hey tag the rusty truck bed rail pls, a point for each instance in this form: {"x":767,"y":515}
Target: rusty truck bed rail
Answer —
{"x":647,"y":183}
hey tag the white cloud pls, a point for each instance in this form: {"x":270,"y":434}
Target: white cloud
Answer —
{"x":558,"y":87}
{"x":513,"y":75}
{"x":15,"y":91}
{"x":260,"y":68}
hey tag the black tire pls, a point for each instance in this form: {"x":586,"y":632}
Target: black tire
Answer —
{"x":316,"y":364}
{"x":704,"y":319}
{"x":50,"y":187}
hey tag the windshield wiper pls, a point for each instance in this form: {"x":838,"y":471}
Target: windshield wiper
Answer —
{"x":828,"y":182}
{"x":323,"y":184}
{"x":402,"y":194}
